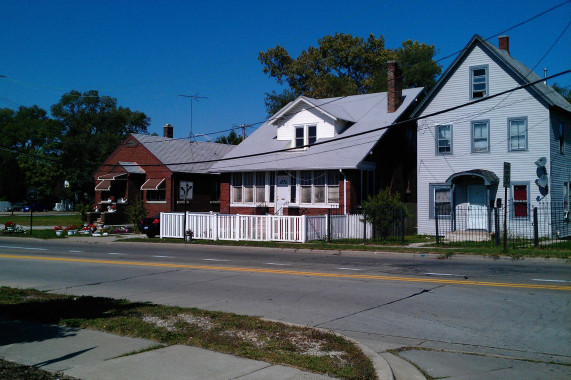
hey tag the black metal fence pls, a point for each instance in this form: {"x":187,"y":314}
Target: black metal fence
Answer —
{"x":513,"y":225}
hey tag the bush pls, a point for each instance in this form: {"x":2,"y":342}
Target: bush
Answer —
{"x":83,"y":209}
{"x":135,"y":212}
{"x":383,"y":211}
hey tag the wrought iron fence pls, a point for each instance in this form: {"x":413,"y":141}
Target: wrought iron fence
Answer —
{"x":513,"y":225}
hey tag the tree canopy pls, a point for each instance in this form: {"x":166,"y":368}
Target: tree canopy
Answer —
{"x":231,"y":139}
{"x":342,"y":65}
{"x":42,"y":151}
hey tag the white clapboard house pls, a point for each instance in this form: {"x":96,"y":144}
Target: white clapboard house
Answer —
{"x":461,"y":153}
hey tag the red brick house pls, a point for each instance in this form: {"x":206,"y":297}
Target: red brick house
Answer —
{"x":161,"y":171}
{"x":324,"y":154}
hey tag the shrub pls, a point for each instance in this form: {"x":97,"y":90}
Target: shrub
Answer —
{"x":383,"y":211}
{"x":135,"y":212}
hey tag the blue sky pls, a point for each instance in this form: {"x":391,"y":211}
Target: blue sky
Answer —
{"x":146,"y":53}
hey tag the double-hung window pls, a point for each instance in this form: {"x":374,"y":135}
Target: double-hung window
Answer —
{"x":520,"y":200}
{"x":305,"y":186}
{"x":517,"y":129}
{"x":305,"y":135}
{"x":442,"y":201}
{"x":444,"y":139}
{"x":480,"y":136}
{"x":479,"y":82}
{"x":319,"y":186}
{"x":332,"y":186}
{"x":237,"y":188}
{"x":260,"y":187}
{"x":248,"y":187}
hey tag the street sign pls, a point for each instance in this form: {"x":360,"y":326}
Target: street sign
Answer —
{"x":507,"y":174}
{"x":32,"y":194}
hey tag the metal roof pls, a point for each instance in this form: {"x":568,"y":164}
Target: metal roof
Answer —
{"x":521,"y":72}
{"x":179,"y":155}
{"x":368,"y":112}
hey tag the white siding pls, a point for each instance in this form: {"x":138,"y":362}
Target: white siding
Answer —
{"x":434,"y":168}
{"x":300,"y":116}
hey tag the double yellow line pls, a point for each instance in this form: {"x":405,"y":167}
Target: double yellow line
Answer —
{"x":291,"y":272}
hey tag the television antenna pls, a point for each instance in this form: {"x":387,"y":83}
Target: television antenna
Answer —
{"x":193,"y":98}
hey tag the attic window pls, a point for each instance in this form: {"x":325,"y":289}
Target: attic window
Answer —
{"x":479,"y":82}
{"x":305,"y":135}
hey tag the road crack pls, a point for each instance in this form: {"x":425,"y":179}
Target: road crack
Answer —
{"x":381,"y":305}
{"x":112,"y":281}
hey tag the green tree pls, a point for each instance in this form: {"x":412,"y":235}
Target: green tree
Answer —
{"x":345,"y":65}
{"x":29,"y":158}
{"x":383,"y":210}
{"x":135,"y":212}
{"x":231,"y":139}
{"x":565,"y":92}
{"x":92,"y":128}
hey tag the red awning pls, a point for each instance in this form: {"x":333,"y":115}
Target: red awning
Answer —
{"x":111,"y":176}
{"x":152,"y":184}
{"x":104,"y":185}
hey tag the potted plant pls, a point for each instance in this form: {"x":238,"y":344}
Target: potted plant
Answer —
{"x":71,"y":230}
{"x":58,"y":230}
{"x":188,"y":235}
{"x":111,"y":208}
{"x":9,"y":226}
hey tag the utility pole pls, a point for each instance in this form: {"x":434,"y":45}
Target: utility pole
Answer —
{"x":192,"y":99}
{"x":243,"y":126}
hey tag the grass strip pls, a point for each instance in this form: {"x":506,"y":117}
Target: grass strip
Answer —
{"x":250,"y":337}
{"x":560,"y":251}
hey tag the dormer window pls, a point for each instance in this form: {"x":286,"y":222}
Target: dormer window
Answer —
{"x":479,"y":82}
{"x":305,"y":135}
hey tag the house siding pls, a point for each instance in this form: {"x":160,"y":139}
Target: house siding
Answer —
{"x":325,"y":125}
{"x":432,"y":168}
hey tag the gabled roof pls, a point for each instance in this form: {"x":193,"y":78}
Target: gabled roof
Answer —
{"x":518,"y":70}
{"x":179,"y":155}
{"x":367,"y":112}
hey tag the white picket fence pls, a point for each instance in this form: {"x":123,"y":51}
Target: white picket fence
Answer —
{"x":210,"y":226}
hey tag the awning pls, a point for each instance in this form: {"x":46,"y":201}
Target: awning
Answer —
{"x":132,"y":167}
{"x":489,"y":177}
{"x":112,"y":176}
{"x":152,"y":184}
{"x":104,"y":185}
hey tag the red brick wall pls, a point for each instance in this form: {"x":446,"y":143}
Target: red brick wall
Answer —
{"x":132,"y":151}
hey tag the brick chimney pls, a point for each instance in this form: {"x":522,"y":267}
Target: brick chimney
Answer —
{"x":394,"y":86}
{"x":504,"y":43}
{"x":167,"y":131}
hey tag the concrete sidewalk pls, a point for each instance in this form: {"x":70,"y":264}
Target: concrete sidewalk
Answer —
{"x":88,"y":354}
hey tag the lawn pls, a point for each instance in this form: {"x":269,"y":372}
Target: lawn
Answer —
{"x":251,"y":337}
{"x":39,"y":219}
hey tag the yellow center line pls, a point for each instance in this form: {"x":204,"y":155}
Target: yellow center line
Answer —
{"x":291,"y":272}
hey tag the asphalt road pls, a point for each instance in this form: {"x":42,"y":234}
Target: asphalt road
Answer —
{"x":473,"y":317}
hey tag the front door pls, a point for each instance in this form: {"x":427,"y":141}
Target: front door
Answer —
{"x":282,"y":195}
{"x":477,"y":211}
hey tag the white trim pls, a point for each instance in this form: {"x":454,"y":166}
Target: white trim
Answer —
{"x":280,"y":113}
{"x":155,"y":202}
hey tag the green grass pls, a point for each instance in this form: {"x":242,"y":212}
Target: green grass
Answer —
{"x":43,"y":220}
{"x":251,"y":337}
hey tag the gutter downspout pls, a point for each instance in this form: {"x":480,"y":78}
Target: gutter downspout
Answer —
{"x":344,"y":192}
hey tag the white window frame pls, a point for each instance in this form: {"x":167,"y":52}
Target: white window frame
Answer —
{"x":475,"y":81}
{"x":307,"y":138}
{"x":519,"y":134}
{"x":438,"y":139}
{"x":473,"y":135}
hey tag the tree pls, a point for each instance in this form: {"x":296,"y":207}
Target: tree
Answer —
{"x":92,"y":127}
{"x":345,"y":65}
{"x":29,"y":138}
{"x":231,"y":139}
{"x":565,"y":92}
